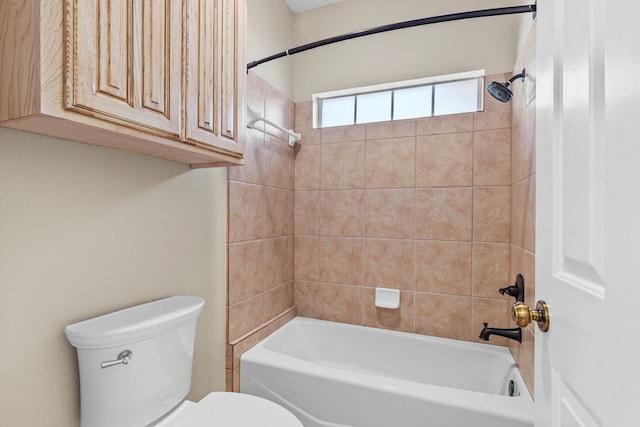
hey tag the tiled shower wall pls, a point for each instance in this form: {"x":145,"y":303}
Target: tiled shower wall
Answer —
{"x":260,"y":227}
{"x":422,"y":206}
{"x":523,"y":196}
{"x":440,"y":208}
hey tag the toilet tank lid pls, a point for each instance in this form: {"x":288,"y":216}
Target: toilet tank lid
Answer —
{"x":134,"y":323}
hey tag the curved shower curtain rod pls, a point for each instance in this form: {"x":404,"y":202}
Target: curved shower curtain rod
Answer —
{"x":400,"y":25}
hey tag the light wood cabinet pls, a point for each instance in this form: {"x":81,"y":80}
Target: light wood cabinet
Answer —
{"x":157,"y":77}
{"x":214,"y":71}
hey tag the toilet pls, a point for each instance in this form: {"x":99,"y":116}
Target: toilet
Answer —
{"x":135,"y":371}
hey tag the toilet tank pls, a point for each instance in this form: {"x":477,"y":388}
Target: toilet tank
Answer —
{"x":159,"y":336}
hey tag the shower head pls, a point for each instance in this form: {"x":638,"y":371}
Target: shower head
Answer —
{"x":501,"y":91}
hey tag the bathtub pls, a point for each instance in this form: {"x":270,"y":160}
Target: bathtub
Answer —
{"x":332,"y":374}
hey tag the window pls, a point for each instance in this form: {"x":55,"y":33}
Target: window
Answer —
{"x":373,"y":107}
{"x":434,"y":96}
{"x":338,"y":111}
{"x":412,"y":102}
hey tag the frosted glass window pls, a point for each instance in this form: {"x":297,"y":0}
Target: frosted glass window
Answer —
{"x":374,"y":107}
{"x":338,"y":111}
{"x":456,"y":97}
{"x":412,"y":102}
{"x":430,"y":96}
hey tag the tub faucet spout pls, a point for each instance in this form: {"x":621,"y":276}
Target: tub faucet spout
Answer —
{"x":511,"y":333}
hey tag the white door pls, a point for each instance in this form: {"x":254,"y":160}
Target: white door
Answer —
{"x":588,"y":213}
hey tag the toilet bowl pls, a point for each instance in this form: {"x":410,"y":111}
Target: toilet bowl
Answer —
{"x":230,"y":410}
{"x":135,"y":371}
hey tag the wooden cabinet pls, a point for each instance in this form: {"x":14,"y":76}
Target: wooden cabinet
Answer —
{"x":124,"y":62}
{"x":215,"y":71}
{"x":157,"y":77}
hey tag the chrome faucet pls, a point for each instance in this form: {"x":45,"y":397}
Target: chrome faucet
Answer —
{"x":511,"y":333}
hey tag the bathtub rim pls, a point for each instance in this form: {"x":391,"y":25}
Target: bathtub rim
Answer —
{"x":520,"y":407}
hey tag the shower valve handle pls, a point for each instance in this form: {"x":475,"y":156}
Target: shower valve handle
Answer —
{"x":123,"y":358}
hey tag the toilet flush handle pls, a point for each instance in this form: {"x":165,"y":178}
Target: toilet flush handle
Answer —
{"x":123,"y":358}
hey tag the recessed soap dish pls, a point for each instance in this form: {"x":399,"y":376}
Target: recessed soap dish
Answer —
{"x":387,"y":298}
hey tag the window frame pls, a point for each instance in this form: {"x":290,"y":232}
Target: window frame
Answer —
{"x":318,"y":98}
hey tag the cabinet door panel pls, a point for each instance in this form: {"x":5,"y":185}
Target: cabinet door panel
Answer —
{"x":113,"y":50}
{"x":215,"y":73}
{"x":155,"y":70}
{"x":228,"y":69}
{"x":206,"y":71}
{"x":123,"y":62}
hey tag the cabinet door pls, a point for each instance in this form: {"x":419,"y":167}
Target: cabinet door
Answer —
{"x":215,"y":73}
{"x":123,"y":62}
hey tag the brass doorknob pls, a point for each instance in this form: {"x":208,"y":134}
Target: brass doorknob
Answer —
{"x":523,"y":315}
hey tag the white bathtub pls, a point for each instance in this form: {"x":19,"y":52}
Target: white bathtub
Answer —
{"x":334,"y":374}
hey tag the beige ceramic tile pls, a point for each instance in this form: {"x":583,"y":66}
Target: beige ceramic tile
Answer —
{"x":229,"y":380}
{"x":454,"y":123}
{"x":529,"y":236}
{"x":400,"y":319}
{"x":392,"y":129}
{"x":492,"y":157}
{"x":523,"y":262}
{"x":341,"y":260}
{"x":246,"y":212}
{"x":306,"y":215}
{"x":342,"y":166}
{"x":523,"y":142}
{"x":342,"y":213}
{"x":236,"y":380}
{"x":278,"y":300}
{"x":389,"y":213}
{"x":264,"y":330}
{"x":518,"y":212}
{"x":499,"y":118}
{"x":306,"y":298}
{"x":496,"y":115}
{"x":246,"y":270}
{"x":524,"y":356}
{"x":444,"y":213}
{"x":307,"y":168}
{"x":278,"y":212}
{"x":445,"y":316}
{"x":306,"y":258}
{"x":278,"y":164}
{"x":444,"y":160}
{"x":495,"y":313}
{"x":523,"y":213}
{"x":443,"y":267}
{"x":279,"y":109}
{"x":390,"y":163}
{"x":228,"y":357}
{"x":304,"y":123}
{"x":340,"y":303}
{"x":490,"y":270}
{"x":291,"y":115}
{"x":389,"y":264}
{"x":491,"y":219}
{"x":245,"y":316}
{"x":278,"y":261}
{"x":252,"y":170}
{"x":342,"y":134}
{"x":255,"y":92}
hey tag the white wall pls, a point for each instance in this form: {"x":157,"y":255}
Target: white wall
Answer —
{"x":86,"y":230}
{"x":270,"y":31}
{"x":483,"y":43}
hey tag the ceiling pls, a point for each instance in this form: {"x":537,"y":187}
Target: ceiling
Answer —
{"x":298,"y":6}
